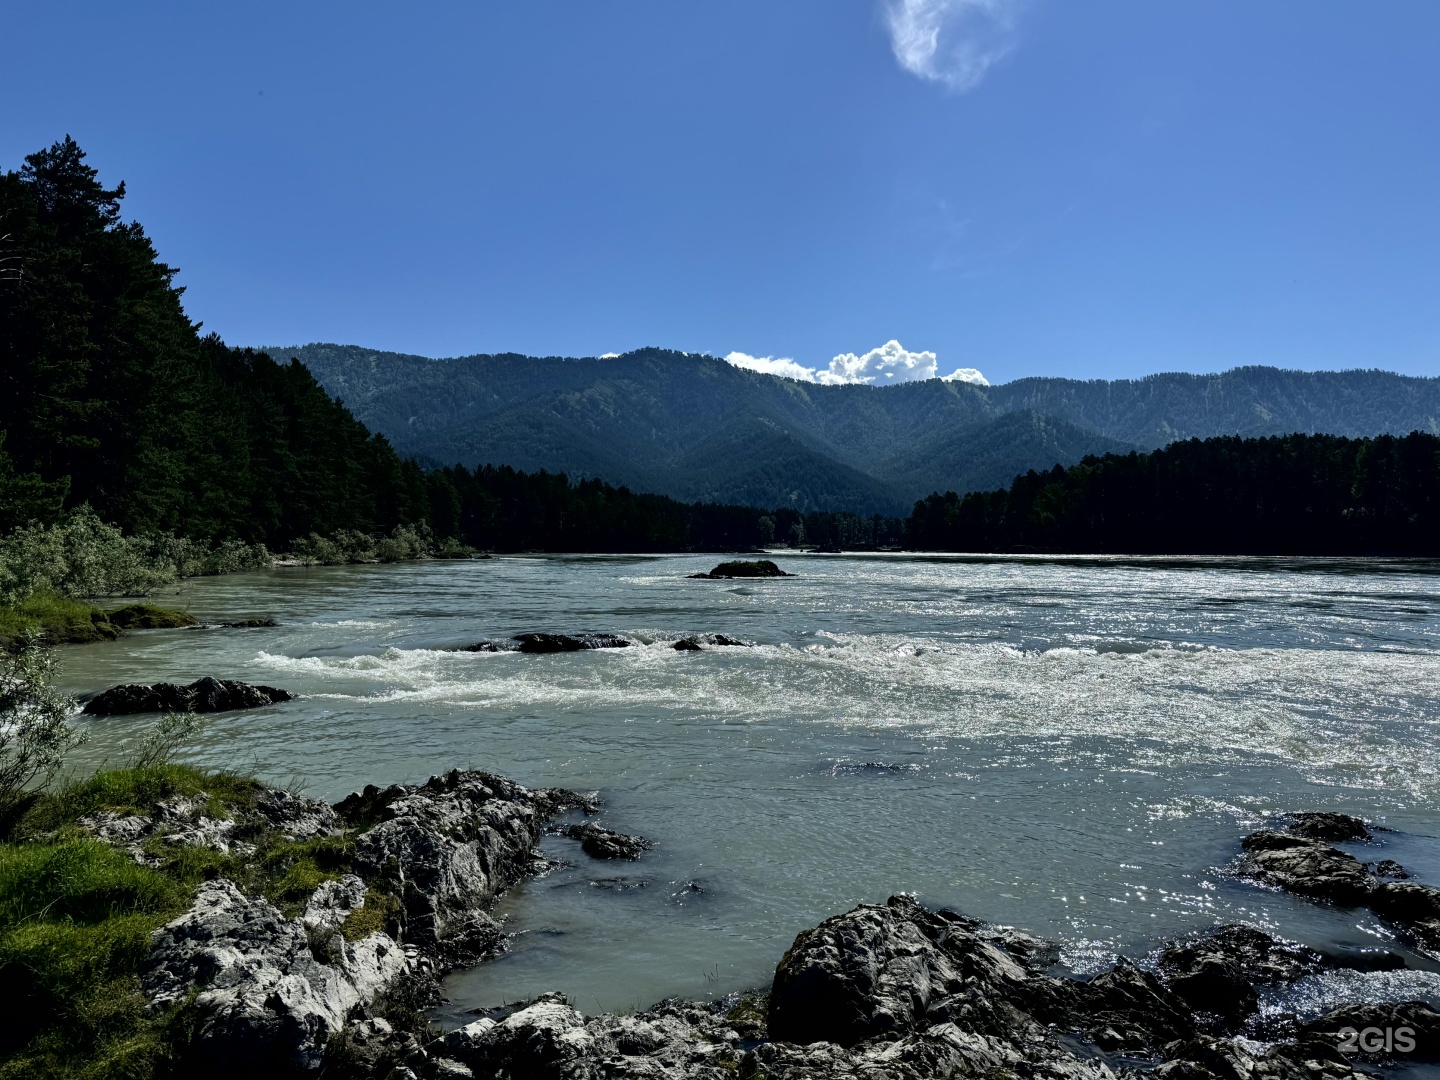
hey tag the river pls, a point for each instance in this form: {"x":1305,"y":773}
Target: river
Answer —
{"x":1072,"y":746}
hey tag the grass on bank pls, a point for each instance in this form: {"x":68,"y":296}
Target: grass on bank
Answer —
{"x":76,"y":917}
{"x":60,"y":620}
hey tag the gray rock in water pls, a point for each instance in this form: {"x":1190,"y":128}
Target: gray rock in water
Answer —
{"x":601,"y":843}
{"x":264,"y":1001}
{"x":1328,"y":826}
{"x":757,"y":568}
{"x":1219,"y":972}
{"x":558,"y":643}
{"x":448,"y":848}
{"x":203,"y":695}
{"x":695,"y":642}
{"x":899,"y":992}
{"x":1308,"y":867}
{"x":896,"y":968}
{"x":1411,"y":905}
{"x":1312,"y":868}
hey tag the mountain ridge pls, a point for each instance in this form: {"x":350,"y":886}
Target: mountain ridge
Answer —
{"x":695,"y":427}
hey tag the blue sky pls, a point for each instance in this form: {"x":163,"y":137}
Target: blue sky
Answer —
{"x":1094,"y":189}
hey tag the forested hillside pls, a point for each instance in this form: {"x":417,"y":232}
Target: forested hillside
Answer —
{"x":110,"y":395}
{"x":1250,"y":401}
{"x":1285,"y":495}
{"x":694,"y":427}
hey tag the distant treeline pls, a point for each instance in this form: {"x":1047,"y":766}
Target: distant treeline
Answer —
{"x":502,"y":509}
{"x":1286,"y":495}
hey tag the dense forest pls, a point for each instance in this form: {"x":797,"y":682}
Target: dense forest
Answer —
{"x":112,"y":397}
{"x":1293,"y":494}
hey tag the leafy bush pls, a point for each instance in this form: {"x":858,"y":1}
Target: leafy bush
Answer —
{"x":80,"y":555}
{"x":349,"y":546}
{"x":35,"y":731}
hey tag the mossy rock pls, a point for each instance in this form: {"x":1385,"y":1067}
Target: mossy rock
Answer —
{"x":57,"y":619}
{"x":149,"y":617}
{"x":758,"y":568}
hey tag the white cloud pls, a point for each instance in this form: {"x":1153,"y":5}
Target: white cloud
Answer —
{"x":952,"y":42}
{"x":891,"y":363}
{"x":772,"y":365}
{"x":609,"y":355}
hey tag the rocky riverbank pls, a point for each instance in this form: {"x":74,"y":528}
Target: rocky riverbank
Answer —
{"x":330,"y":978}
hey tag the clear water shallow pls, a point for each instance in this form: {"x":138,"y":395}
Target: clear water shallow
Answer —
{"x":1073,"y":746}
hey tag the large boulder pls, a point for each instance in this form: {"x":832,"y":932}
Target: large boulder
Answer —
{"x":447,"y":848}
{"x":757,"y":568}
{"x":1327,"y":826}
{"x":1308,"y":867}
{"x":1217,"y":974}
{"x":263,"y":1000}
{"x":898,"y":967}
{"x":202,"y":696}
{"x":1412,"y":906}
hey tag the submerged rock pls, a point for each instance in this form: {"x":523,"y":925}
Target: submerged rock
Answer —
{"x":1314,"y":869}
{"x":249,"y":624}
{"x":601,"y":843}
{"x":695,"y":642}
{"x":556,"y":643}
{"x":203,"y":695}
{"x":758,"y":568}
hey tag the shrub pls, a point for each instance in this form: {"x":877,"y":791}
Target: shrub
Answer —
{"x":35,"y":731}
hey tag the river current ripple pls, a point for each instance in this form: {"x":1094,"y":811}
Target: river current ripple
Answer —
{"x":1072,"y":746}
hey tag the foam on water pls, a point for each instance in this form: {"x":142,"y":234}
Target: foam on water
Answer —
{"x":1074,"y":748}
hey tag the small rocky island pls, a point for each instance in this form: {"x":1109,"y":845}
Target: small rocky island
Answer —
{"x":332,"y":982}
{"x":740,"y":568}
{"x":205,"y":695}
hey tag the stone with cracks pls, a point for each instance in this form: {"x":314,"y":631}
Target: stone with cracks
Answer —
{"x":447,"y":848}
{"x":264,"y":1000}
{"x":1308,"y":867}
